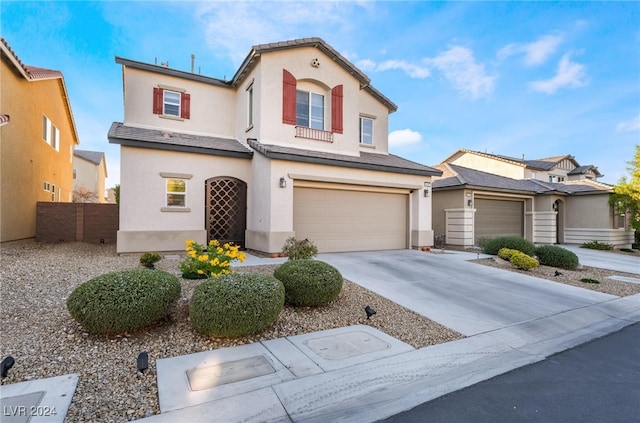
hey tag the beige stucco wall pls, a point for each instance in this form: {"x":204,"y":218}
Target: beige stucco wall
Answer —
{"x":144,"y":222}
{"x":212,"y":107}
{"x":27,"y":161}
{"x":486,"y":164}
{"x":91,"y":177}
{"x":442,"y":200}
{"x":589,"y":211}
{"x":329,"y":74}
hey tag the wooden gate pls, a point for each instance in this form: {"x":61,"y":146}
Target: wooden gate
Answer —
{"x":226,"y":214}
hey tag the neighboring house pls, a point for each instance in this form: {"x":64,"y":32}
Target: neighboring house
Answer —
{"x":295,"y":144}
{"x":38,"y":136}
{"x":483,"y":195}
{"x":90,"y":172}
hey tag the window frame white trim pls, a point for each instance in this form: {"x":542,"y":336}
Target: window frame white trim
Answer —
{"x":250,"y":105}
{"x":164,"y":104}
{"x":361,"y":132}
{"x":310,"y":114}
{"x":175,"y":193}
{"x":46,"y":129}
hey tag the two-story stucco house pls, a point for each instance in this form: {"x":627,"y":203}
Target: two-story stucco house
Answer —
{"x":552,"y":200}
{"x":295,"y":144}
{"x":90,"y":173}
{"x":37,"y":140}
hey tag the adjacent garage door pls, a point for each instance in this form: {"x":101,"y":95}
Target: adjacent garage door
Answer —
{"x":498,"y":218}
{"x":345,"y":220}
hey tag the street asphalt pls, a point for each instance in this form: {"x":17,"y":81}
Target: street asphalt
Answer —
{"x":595,"y":382}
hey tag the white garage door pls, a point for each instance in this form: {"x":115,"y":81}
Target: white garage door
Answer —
{"x":498,"y":218}
{"x":343,"y":220}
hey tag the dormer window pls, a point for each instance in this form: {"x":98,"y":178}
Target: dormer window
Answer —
{"x":310,"y":109}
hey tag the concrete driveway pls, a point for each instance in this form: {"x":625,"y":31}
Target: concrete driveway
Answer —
{"x":606,"y":260}
{"x":467,"y":297}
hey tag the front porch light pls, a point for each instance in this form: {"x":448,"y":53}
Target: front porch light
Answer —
{"x":283,"y":182}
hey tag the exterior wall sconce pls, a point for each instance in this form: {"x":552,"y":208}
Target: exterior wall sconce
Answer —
{"x":426,"y":192}
{"x":283,"y":182}
{"x":469,"y":200}
{"x":555,"y":206}
{"x":427,"y":186}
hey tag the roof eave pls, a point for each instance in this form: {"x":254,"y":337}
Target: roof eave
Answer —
{"x":171,"y":72}
{"x":179,"y":148}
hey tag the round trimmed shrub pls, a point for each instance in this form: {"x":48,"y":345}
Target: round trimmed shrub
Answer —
{"x":523,"y":261}
{"x":554,"y":256}
{"x":123,"y":301}
{"x":513,"y":242}
{"x":506,"y":253}
{"x":309,"y":283}
{"x":236,"y":305}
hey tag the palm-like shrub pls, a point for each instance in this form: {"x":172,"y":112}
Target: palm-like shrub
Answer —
{"x":236,"y":304}
{"x":554,"y":256}
{"x":123,"y":301}
{"x":309,"y":283}
{"x":513,"y":242}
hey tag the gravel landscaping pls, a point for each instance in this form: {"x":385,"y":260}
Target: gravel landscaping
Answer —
{"x":45,"y":341}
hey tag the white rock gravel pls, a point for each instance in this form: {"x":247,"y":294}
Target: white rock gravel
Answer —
{"x":45,"y":341}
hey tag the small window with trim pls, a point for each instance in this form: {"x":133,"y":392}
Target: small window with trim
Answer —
{"x":171,"y":103}
{"x":366,"y":130}
{"x":250,"y":106}
{"x":176,"y":193}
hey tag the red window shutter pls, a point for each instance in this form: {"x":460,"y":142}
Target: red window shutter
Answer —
{"x":157,"y":101}
{"x":185,"y":100}
{"x":288,"y":98}
{"x":336,"y":109}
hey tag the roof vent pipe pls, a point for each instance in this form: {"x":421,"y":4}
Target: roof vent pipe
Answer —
{"x":193,"y":58}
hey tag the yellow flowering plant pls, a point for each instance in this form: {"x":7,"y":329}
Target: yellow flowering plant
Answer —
{"x":210,"y":261}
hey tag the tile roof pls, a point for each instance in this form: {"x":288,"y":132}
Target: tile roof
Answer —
{"x":4,"y":119}
{"x":166,"y":140}
{"x":581,"y":170}
{"x":463,"y":176}
{"x":41,"y":73}
{"x":94,"y":157}
{"x":371,"y":161}
{"x":30,"y":72}
{"x":319,"y":43}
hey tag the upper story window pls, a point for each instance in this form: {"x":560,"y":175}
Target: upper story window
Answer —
{"x":310,"y":109}
{"x":250,"y":106}
{"x":169,"y":102}
{"x":50,"y":134}
{"x":555,"y":178}
{"x":366,"y":130}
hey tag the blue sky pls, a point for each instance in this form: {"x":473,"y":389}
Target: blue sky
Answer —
{"x":511,"y":78}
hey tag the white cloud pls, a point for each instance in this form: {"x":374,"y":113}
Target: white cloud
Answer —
{"x":366,"y":65}
{"x":404,"y":137}
{"x":569,"y":74}
{"x":414,"y":71}
{"x":535,"y":53}
{"x":460,"y":68}
{"x":632,"y":124}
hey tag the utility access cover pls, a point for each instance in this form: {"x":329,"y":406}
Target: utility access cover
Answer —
{"x":231,"y":371}
{"x":346,"y":345}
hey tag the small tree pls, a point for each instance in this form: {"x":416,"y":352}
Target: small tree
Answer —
{"x":626,"y":194}
{"x":83,"y":195}
{"x":116,"y":193}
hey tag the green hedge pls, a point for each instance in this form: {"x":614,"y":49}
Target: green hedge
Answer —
{"x":123,"y":301}
{"x":309,"y":283}
{"x":515,"y":243}
{"x":554,"y":256}
{"x":236,"y":305}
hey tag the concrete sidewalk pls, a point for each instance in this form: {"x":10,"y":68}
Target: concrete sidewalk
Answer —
{"x":381,"y":387}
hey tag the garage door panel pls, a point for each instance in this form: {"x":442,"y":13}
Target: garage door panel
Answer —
{"x":498,"y":218}
{"x":337,"y":220}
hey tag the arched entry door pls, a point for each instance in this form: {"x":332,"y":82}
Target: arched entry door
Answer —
{"x":226,"y":213}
